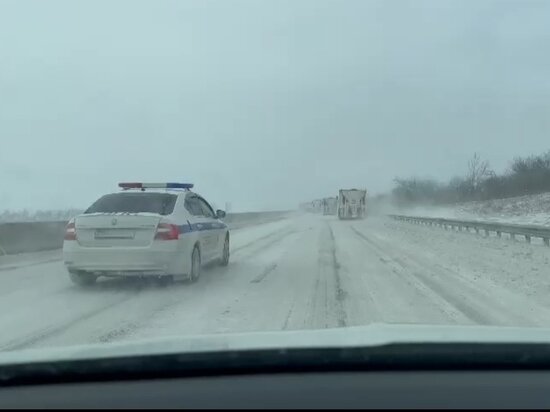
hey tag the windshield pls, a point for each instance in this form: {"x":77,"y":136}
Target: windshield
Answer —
{"x":162,"y":204}
{"x":338,"y":164}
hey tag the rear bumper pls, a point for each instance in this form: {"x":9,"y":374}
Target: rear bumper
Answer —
{"x":158,"y":259}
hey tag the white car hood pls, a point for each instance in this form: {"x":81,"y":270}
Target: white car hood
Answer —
{"x":348,"y":337}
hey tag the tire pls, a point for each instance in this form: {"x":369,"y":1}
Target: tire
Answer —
{"x":224,"y":261}
{"x":195,"y":273}
{"x":82,"y":278}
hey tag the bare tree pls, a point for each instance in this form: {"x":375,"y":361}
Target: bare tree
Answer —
{"x":526,"y":175}
{"x":478,"y":171}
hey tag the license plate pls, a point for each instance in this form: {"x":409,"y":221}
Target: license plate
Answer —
{"x":114,"y":234}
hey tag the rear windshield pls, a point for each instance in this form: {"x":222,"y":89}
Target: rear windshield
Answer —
{"x":161,"y":203}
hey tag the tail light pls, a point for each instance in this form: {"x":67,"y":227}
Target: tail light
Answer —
{"x":167,"y":231}
{"x":70,"y":231}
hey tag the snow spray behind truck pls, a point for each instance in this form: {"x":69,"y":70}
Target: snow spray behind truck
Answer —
{"x":352,"y":204}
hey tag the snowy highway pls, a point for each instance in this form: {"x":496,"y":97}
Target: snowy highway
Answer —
{"x":302,"y":272}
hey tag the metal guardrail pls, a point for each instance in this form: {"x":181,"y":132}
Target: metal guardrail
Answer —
{"x":513,"y":230}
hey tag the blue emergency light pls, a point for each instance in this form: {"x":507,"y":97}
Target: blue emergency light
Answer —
{"x":142,"y":186}
{"x":179,"y":185}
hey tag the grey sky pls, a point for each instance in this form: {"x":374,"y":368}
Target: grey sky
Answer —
{"x":263,"y":103}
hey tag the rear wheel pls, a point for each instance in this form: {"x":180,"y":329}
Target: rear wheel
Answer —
{"x":224,"y":261}
{"x":82,"y":278}
{"x":195,"y":265}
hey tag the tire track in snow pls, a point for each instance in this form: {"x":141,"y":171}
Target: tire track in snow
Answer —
{"x":270,"y":238}
{"x":121,"y":329}
{"x":340,"y":292}
{"x":36,"y":337}
{"x":488,"y":307}
{"x":252,"y":248}
{"x":398,"y":267}
{"x":263,"y":275}
{"x":143,"y":290}
{"x":327,"y":306}
{"x":28,"y":264}
{"x":288,"y":316}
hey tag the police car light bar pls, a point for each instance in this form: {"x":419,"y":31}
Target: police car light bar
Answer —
{"x":156,"y":185}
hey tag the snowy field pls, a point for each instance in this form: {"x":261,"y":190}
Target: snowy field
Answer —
{"x":303,"y":272}
{"x":524,"y":210}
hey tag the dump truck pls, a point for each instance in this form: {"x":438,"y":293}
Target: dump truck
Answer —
{"x":352,"y":204}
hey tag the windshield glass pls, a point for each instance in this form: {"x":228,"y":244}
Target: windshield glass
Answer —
{"x":344,"y":163}
{"x":162,"y":204}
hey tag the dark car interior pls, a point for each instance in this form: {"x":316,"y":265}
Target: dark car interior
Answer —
{"x":391,"y":376}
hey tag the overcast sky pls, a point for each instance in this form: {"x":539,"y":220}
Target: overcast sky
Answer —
{"x":263,"y":103}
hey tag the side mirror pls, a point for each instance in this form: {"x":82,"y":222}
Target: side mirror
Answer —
{"x":220,"y":214}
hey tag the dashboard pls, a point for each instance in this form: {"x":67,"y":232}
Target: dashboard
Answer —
{"x":397,"y":375}
{"x":442,"y":389}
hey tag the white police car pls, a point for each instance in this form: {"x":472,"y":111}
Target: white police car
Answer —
{"x":146,"y":229}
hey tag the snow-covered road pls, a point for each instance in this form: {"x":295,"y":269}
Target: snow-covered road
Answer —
{"x":303,"y":272}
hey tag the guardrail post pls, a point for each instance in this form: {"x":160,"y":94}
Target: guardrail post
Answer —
{"x":513,"y":236}
{"x":528,"y":238}
{"x":499,"y":233}
{"x":546,"y":241}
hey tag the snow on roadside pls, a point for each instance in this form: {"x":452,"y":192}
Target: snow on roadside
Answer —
{"x":514,"y":266}
{"x":523,"y":210}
